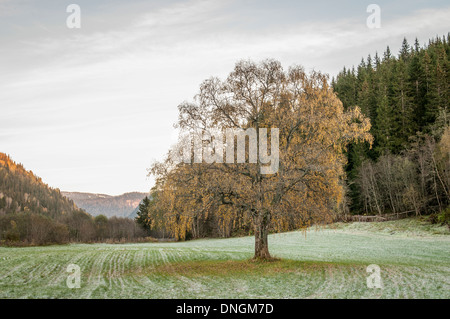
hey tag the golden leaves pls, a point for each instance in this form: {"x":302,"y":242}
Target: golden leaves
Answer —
{"x":314,"y":132}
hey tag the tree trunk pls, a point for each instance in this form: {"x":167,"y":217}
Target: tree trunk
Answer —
{"x":261,"y":224}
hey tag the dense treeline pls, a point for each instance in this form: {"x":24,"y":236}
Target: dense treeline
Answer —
{"x":407,"y":99}
{"x":26,"y":228}
{"x":31,"y":213}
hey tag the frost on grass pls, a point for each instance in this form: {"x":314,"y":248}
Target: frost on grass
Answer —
{"x":326,"y":263}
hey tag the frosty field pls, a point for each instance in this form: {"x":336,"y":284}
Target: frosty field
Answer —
{"x":414,"y":259}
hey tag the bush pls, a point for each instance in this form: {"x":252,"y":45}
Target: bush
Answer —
{"x":433,"y":218}
{"x":444,"y":217}
{"x":12,"y":235}
{"x":150,"y":239}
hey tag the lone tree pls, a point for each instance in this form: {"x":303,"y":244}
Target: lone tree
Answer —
{"x":312,"y":134}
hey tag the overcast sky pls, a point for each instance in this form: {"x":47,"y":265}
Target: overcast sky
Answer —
{"x":89,"y":109}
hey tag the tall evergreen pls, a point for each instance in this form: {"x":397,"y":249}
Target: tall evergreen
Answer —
{"x":404,"y":50}
{"x":403,"y":109}
{"x":142,"y":214}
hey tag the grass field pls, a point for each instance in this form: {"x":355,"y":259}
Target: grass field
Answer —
{"x":414,"y":258}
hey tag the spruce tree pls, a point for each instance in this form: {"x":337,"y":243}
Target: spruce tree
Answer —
{"x":404,"y":50}
{"x":142,"y":213}
{"x":417,"y":89}
{"x":403,"y":111}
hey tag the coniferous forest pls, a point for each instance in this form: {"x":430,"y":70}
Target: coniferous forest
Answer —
{"x":406,"y":96}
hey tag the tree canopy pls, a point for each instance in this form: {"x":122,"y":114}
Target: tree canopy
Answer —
{"x":311,"y":129}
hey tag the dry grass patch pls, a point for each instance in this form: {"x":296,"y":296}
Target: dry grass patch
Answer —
{"x":241,"y":267}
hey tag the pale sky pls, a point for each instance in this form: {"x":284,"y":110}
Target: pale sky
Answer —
{"x":90,"y":109}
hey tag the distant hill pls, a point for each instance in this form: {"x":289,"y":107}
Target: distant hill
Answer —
{"x":133,"y":214}
{"x":102,"y":204}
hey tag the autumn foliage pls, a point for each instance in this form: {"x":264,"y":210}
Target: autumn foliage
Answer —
{"x":314,"y":131}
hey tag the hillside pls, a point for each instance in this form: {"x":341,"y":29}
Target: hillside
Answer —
{"x":22,"y":191}
{"x":32,"y":213}
{"x":101,"y":204}
{"x":134,"y":214}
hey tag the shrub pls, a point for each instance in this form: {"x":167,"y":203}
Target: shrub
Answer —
{"x":444,"y":216}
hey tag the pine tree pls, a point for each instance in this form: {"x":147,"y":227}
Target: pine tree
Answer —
{"x":417,"y":89}
{"x":416,"y":46}
{"x":442,"y":84}
{"x":377,"y":61}
{"x":387,"y":55}
{"x":403,"y":111}
{"x":142,"y":214}
{"x":405,"y":50}
{"x":386,"y":127}
{"x":346,"y":88}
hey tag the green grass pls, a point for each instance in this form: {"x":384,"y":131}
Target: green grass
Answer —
{"x":414,"y":258}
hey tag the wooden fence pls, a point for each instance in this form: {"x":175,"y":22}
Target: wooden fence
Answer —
{"x":378,"y":218}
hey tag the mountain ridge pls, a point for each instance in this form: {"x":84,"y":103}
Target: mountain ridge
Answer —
{"x":109,"y":205}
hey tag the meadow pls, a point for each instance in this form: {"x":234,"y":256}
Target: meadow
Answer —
{"x":330,"y":262}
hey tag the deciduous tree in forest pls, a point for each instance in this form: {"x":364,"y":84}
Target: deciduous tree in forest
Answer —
{"x":314,"y":131}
